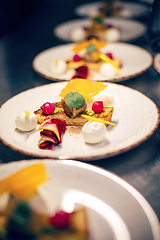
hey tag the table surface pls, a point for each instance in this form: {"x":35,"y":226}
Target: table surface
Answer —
{"x":140,"y":166}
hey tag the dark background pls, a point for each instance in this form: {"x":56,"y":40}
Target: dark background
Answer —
{"x":13,"y":12}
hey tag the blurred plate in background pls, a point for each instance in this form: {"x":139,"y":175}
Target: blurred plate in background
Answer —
{"x":126,"y":9}
{"x":135,"y":60}
{"x":130,"y":29}
{"x":115,"y":210}
{"x":156,"y":62}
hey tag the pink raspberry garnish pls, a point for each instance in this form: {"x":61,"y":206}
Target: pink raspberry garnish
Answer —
{"x":97,"y":106}
{"x":76,"y":58}
{"x":109,"y":55}
{"x":48,"y":108}
{"x":82,"y":72}
{"x":60,"y":219}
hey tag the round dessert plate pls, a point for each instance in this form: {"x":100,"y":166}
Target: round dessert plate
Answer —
{"x":135,"y":61}
{"x":156,"y":62}
{"x":126,"y":9}
{"x":97,"y":191}
{"x":122,"y":137}
{"x":130,"y":29}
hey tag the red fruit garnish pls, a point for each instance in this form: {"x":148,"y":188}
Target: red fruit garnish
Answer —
{"x":97,"y":106}
{"x":82,"y":72}
{"x":60,"y":219}
{"x":109,"y":25}
{"x":74,"y":76}
{"x":51,"y":132}
{"x":76,"y":58}
{"x":109,"y":55}
{"x":47,"y":145}
{"x":48,"y":108}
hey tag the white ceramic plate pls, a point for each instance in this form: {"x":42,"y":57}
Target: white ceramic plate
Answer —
{"x":130,"y":29}
{"x":135,"y":115}
{"x":115,"y":210}
{"x":129,"y":9}
{"x":135,"y":60}
{"x":156,"y":62}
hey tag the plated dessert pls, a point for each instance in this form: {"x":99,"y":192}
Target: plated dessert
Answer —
{"x":25,"y":211}
{"x":60,"y":193}
{"x":87,"y":58}
{"x":92,"y":59}
{"x":112,"y":28}
{"x":114,"y":8}
{"x":76,"y":108}
{"x":99,"y":29}
{"x":122,"y":136}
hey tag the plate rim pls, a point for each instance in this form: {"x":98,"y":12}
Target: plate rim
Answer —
{"x":157,"y":56}
{"x":136,"y":194}
{"x":91,"y":157}
{"x":114,"y":80}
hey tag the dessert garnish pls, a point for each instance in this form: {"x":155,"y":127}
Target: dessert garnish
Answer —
{"x":73,"y":104}
{"x":103,"y":31}
{"x":97,"y":120}
{"x":48,"y":108}
{"x":76,"y":115}
{"x":76,"y":58}
{"x":97,"y":29}
{"x":81,"y":72}
{"x":93,"y":132}
{"x":26,"y":121}
{"x":107,"y":70}
{"x":58,"y":66}
{"x":83,"y":86}
{"x":90,"y":112}
{"x":74,"y":100}
{"x":22,"y":216}
{"x":24,"y":183}
{"x":98,"y":44}
{"x":107,"y":59}
{"x":78,"y":34}
{"x":51,"y":131}
{"x":97,"y":106}
{"x":89,"y":59}
{"x":113,"y":8}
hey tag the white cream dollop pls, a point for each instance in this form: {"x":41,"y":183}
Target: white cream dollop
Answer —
{"x":78,"y":34}
{"x":112,"y":35}
{"x":107,"y":70}
{"x":125,"y":12}
{"x":106,"y":98}
{"x":93,"y":132}
{"x":26,"y":121}
{"x":58,"y":66}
